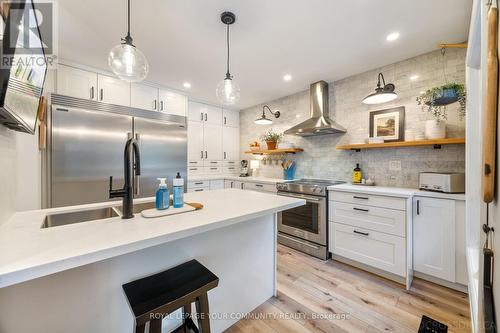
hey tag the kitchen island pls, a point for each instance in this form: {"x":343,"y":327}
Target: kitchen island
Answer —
{"x":69,"y":278}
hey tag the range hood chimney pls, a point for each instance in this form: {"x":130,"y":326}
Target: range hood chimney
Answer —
{"x":319,"y":123}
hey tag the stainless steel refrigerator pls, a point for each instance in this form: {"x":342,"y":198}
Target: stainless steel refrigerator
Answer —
{"x":85,"y":145}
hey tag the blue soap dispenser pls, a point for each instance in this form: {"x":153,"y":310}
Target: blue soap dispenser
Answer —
{"x":162,"y":195}
{"x":178,"y":191}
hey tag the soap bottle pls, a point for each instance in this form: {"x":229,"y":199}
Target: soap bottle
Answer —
{"x":178,"y":191}
{"x":162,"y":195}
{"x":356,"y":175}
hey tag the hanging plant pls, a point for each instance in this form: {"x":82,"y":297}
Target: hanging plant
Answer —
{"x":435,"y":100}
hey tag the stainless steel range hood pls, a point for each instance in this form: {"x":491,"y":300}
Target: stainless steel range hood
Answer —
{"x":319,"y":123}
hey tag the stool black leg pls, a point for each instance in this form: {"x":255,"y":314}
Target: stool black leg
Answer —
{"x":203,"y":313}
{"x":155,"y":326}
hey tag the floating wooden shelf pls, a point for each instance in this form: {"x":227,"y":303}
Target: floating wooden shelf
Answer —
{"x":274,"y":151}
{"x":435,"y":143}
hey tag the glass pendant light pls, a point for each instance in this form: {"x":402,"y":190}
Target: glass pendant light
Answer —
{"x":228,"y":91}
{"x":382,"y":94}
{"x":263,"y":120}
{"x":125,"y":60}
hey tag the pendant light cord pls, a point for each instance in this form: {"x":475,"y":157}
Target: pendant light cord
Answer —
{"x":128,"y":18}
{"x":128,"y":39}
{"x":228,"y":75}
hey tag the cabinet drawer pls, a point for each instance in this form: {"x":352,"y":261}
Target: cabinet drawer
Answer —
{"x":213,"y":163}
{"x":195,"y":163}
{"x":213,"y":169}
{"x":230,"y":169}
{"x":195,"y":170}
{"x":260,"y":187}
{"x":231,"y":163}
{"x":385,"y":220}
{"x":369,"y":199}
{"x":197,"y":189}
{"x":198,"y":183}
{"x":382,"y":251}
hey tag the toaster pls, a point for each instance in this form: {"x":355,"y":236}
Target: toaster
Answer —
{"x":442,"y":182}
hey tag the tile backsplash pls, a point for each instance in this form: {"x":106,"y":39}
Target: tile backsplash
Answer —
{"x":320,"y":159}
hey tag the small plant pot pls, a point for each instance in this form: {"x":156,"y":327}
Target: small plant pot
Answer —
{"x":444,"y":97}
{"x":271,"y":145}
{"x":435,"y":129}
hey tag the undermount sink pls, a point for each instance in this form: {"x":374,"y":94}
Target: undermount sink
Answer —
{"x":59,"y":219}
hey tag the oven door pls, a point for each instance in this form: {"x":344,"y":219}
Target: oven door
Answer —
{"x":307,"y":222}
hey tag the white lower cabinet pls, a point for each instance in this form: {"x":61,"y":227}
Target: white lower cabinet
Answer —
{"x":382,"y":251}
{"x":439,"y":238}
{"x":371,"y":230}
{"x":396,"y":235}
{"x":216,"y":184}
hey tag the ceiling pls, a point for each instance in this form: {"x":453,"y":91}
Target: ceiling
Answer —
{"x":312,"y":40}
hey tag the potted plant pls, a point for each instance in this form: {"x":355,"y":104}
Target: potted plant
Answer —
{"x":435,"y":101}
{"x":272,"y":138}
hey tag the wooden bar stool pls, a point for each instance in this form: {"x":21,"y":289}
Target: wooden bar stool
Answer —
{"x":154,"y":297}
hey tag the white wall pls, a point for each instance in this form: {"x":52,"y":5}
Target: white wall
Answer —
{"x":20,"y":167}
{"x":8,"y":173}
{"x":321,"y":159}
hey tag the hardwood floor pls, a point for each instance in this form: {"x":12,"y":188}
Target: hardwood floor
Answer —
{"x":318,"y":296}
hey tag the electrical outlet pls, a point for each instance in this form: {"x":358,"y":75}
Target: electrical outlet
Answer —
{"x":395,"y":165}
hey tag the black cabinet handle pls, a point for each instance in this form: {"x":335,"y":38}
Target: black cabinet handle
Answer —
{"x":224,"y":120}
{"x":357,"y":197}
{"x":259,"y":185}
{"x":360,"y":209}
{"x":360,"y":233}
{"x":418,"y":207}
{"x":201,"y":116}
{"x":224,"y":155}
{"x":102,"y":94}
{"x":92,"y":93}
{"x":206,"y":117}
{"x":199,"y":183}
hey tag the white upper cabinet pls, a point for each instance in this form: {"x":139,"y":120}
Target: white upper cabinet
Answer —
{"x":434,"y":237}
{"x":113,"y":90}
{"x":76,"y":82}
{"x":205,"y":113}
{"x":196,"y":150}
{"x":172,"y":103}
{"x":143,"y":97}
{"x":212,"y":139}
{"x":230,"y":118}
{"x":196,"y":111}
{"x":230,"y":143}
{"x":213,"y":115}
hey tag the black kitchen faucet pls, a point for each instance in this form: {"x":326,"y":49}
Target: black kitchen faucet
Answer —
{"x":127,"y":192}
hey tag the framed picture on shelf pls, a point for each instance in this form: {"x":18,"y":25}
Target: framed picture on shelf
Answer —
{"x":388,"y":124}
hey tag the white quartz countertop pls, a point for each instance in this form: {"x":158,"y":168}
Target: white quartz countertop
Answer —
{"x":395,"y":191}
{"x":264,"y":180}
{"x":28,"y":252}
